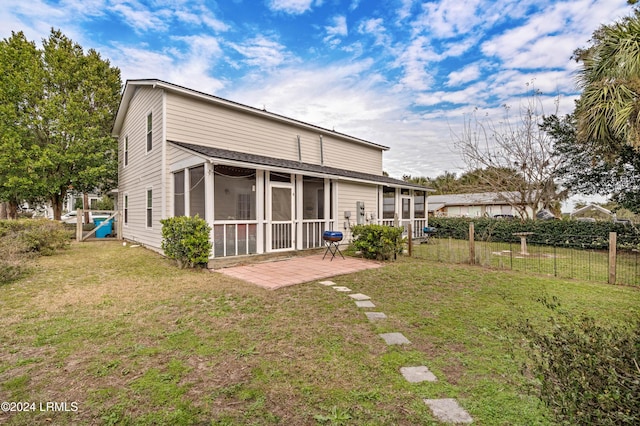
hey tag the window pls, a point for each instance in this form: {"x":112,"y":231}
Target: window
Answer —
{"x":126,"y":150}
{"x":178,"y":193}
{"x":388,"y":203}
{"x":149,"y":132}
{"x":196,"y":192}
{"x":149,"y":208}
{"x":419,"y":198}
{"x":126,"y":209}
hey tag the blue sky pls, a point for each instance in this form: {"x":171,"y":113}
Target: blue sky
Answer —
{"x":402,"y":73}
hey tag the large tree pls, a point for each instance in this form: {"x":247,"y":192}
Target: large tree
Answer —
{"x":21,"y":76}
{"x":65,"y":132}
{"x":514,"y":157}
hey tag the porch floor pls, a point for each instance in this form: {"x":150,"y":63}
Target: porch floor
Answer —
{"x":297,"y":270}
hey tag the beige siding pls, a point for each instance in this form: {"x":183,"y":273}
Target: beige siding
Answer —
{"x":348,"y":195}
{"x":144,"y":168}
{"x":203,"y":123}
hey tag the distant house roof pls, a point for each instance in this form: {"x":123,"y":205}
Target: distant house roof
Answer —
{"x":436,"y":202}
{"x":295,"y":166}
{"x":591,"y":207}
{"x":132,"y":86}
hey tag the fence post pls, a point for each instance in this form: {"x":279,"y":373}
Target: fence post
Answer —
{"x":612,"y":257}
{"x":410,"y":235}
{"x":79,"y":222}
{"x":472,"y":245}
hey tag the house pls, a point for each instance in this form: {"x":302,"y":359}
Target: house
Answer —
{"x":483,"y":204}
{"x":262,"y":181}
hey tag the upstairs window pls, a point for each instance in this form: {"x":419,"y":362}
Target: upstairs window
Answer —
{"x":149,"y":208}
{"x":126,"y":150}
{"x":149,"y":132}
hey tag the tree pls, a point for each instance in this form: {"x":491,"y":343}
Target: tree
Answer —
{"x":21,"y":75}
{"x":515,"y":159}
{"x":608,"y":111}
{"x":585,"y":173}
{"x":65,"y":126}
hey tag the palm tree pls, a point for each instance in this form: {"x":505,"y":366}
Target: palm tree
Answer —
{"x":608,"y":110}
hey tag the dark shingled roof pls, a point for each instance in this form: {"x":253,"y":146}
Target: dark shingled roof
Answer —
{"x":226,"y":154}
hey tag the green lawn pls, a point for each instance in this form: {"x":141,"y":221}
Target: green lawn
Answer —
{"x":133,"y":340}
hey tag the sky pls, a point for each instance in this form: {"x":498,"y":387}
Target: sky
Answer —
{"x":402,"y":73}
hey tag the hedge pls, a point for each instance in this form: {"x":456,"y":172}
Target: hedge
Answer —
{"x":563,"y":233}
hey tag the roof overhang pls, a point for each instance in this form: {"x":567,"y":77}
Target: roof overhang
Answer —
{"x":225,"y":157}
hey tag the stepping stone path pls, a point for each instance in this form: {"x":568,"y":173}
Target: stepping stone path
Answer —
{"x":446,"y":410}
{"x":418,"y":374}
{"x":374,"y":316}
{"x":359,"y":296}
{"x":395,"y":339}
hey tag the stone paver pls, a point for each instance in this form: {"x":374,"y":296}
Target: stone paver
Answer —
{"x":365,"y":304}
{"x":418,"y":374}
{"x":340,"y":288}
{"x":327,"y":283}
{"x":395,"y":339}
{"x":359,"y":296}
{"x":374,"y":316}
{"x":448,"y":410}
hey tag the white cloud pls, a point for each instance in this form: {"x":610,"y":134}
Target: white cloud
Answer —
{"x":337,"y":30}
{"x":465,"y":75}
{"x":293,"y":7}
{"x":141,"y":18}
{"x":376,"y":29}
{"x":262,"y":52}
{"x":415,"y":60}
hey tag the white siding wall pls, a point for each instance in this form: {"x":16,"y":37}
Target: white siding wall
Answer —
{"x":348,"y":195}
{"x":198,"y":122}
{"x":144,"y":168}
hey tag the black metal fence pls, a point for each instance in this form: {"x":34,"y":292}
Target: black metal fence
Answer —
{"x":539,"y":254}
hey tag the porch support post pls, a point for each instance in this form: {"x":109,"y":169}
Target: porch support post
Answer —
{"x":260,"y":208}
{"x":327,"y":202}
{"x":187,"y":192}
{"x":209,"y":205}
{"x":298,"y":198}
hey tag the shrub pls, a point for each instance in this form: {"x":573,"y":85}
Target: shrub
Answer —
{"x":186,"y":239}
{"x":377,"y":241}
{"x":21,"y":240}
{"x":40,"y":236}
{"x":561,"y":233}
{"x":589,"y":373}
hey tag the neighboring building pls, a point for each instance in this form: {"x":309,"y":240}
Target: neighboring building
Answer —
{"x":263,"y":182}
{"x":484,"y":204}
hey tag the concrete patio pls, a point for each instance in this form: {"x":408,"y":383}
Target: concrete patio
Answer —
{"x":281,"y":273}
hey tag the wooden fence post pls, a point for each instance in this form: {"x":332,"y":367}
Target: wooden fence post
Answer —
{"x":612,"y":257}
{"x":472,"y":245}
{"x":79,"y":222}
{"x":410,"y":236}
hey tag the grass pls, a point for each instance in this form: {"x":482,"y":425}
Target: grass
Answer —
{"x":591,"y":265}
{"x":133,"y":340}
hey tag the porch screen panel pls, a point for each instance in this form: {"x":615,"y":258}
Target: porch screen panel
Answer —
{"x":178,"y":194}
{"x":196,"y":192}
{"x":406,"y":208}
{"x":281,"y":206}
{"x":388,"y":203}
{"x":419,"y":211}
{"x":313,"y":198}
{"x":235,"y":193}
